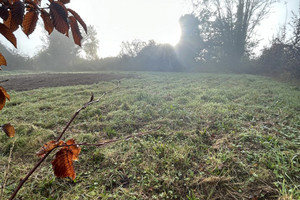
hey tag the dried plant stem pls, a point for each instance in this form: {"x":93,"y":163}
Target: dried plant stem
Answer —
{"x":90,"y":102}
{"x":113,"y":140}
{"x":4,"y":81}
{"x":6,"y":172}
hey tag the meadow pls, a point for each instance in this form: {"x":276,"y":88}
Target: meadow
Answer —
{"x":211,"y":136}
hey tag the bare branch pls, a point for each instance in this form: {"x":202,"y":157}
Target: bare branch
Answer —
{"x":113,"y":140}
{"x":4,"y":81}
{"x":90,"y":102}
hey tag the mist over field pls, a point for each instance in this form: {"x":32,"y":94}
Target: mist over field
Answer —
{"x":204,"y":117}
{"x":214,"y":37}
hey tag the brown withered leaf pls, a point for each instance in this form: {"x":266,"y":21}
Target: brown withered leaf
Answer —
{"x":3,"y":96}
{"x":10,"y":23}
{"x":8,"y":34}
{"x":63,"y":164}
{"x":75,"y":30}
{"x":9,"y":130}
{"x":13,"y":1}
{"x":38,"y":2}
{"x":48,"y":24}
{"x":78,"y":18}
{"x":4,"y":12}
{"x":29,"y":22}
{"x":74,"y":148}
{"x":2,"y":60}
{"x":64,"y":1}
{"x":32,"y":4}
{"x":59,"y":16}
{"x":17,"y":11}
{"x":48,"y":147}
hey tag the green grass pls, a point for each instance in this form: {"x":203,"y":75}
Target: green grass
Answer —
{"x":221,"y":137}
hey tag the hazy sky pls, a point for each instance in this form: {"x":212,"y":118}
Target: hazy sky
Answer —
{"x":122,"y":20}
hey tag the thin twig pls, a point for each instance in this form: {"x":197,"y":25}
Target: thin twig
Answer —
{"x":4,"y":81}
{"x":90,"y":102}
{"x":22,"y":181}
{"x":113,"y":140}
{"x":7,"y":169}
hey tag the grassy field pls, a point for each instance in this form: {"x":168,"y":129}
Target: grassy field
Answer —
{"x":221,"y":137}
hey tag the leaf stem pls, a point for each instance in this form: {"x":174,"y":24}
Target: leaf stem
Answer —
{"x":90,"y":102}
{"x":4,"y":81}
{"x":111,"y":141}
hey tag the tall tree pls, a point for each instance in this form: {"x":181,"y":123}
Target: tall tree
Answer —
{"x":283,"y":56}
{"x":14,"y":60}
{"x":90,"y":44}
{"x":131,"y":48}
{"x":59,"y":47}
{"x":190,"y":42}
{"x":231,"y":24}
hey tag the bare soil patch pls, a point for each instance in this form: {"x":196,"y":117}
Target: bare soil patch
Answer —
{"x":34,"y":81}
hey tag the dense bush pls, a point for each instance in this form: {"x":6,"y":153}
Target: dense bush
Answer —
{"x":15,"y":60}
{"x":281,"y":58}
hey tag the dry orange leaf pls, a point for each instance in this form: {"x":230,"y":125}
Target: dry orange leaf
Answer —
{"x":29,"y":22}
{"x":48,"y":25}
{"x":4,"y":12}
{"x":74,"y":148}
{"x":17,"y":12}
{"x":48,"y":147}
{"x":8,"y":34}
{"x":2,"y":60}
{"x":11,"y":24}
{"x":3,"y":96}
{"x":59,"y":16}
{"x":64,"y":1}
{"x":75,"y":31}
{"x":78,"y":18}
{"x":37,"y":2}
{"x":63,"y":164}
{"x":9,"y":130}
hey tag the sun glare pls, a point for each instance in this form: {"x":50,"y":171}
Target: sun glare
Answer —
{"x":169,"y":34}
{"x":118,"y":20}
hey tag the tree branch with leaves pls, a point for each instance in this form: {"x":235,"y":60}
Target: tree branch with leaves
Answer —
{"x":26,"y":13}
{"x":228,"y":27}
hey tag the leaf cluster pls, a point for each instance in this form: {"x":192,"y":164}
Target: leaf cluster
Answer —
{"x":63,"y":162}
{"x":7,"y":128}
{"x":25,"y":14}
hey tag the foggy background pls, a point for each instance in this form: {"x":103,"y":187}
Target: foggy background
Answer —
{"x":181,"y":35}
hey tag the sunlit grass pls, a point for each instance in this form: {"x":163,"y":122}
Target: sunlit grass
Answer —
{"x":221,"y":136}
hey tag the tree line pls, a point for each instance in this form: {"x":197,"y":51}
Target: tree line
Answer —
{"x":218,"y":36}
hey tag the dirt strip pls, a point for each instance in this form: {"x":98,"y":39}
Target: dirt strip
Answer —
{"x":33,"y":81}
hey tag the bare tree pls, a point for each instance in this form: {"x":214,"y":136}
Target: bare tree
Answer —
{"x":234,"y":22}
{"x":132,"y":48}
{"x":90,"y":44}
{"x":190,"y":42}
{"x":59,"y":47}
